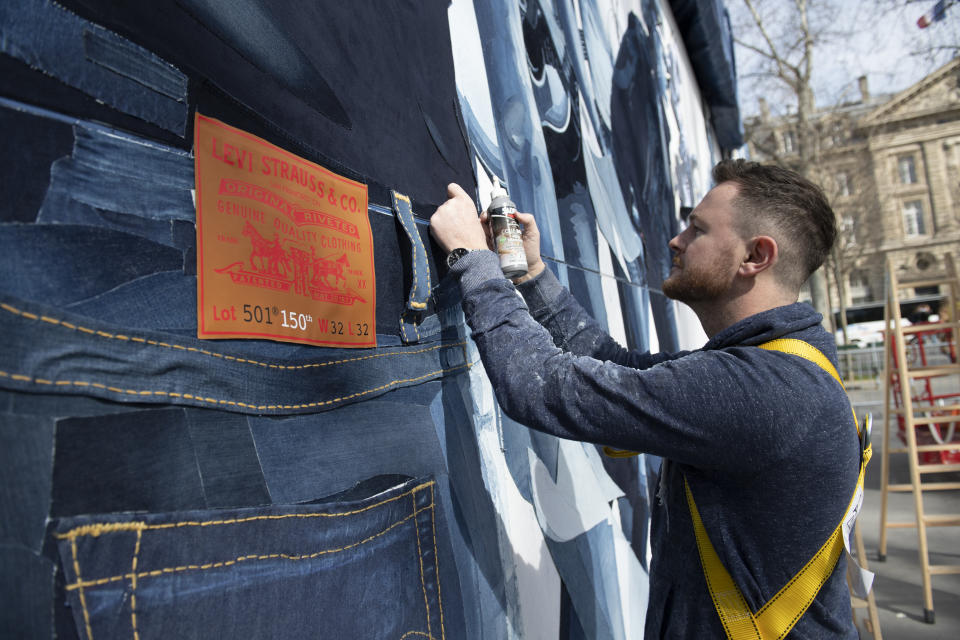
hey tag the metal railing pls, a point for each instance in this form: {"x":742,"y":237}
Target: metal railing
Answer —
{"x":861,"y":365}
{"x":865,"y":364}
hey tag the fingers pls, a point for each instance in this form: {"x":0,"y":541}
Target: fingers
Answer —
{"x":455,"y":222}
{"x":456,"y":191}
{"x":527,"y":220}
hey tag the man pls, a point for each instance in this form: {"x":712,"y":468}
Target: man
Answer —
{"x":762,"y":444}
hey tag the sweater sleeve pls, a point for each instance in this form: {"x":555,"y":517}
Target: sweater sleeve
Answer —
{"x":701,"y":409}
{"x":573,"y":329}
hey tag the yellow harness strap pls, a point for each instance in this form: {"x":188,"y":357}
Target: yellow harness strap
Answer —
{"x":779,"y":615}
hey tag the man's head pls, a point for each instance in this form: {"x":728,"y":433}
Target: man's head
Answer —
{"x":784,"y":205}
{"x":757,"y":217}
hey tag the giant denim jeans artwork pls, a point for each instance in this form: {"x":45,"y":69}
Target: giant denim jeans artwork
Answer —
{"x":116,"y":422}
{"x":143,"y":418}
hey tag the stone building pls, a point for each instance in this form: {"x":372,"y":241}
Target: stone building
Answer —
{"x":891,"y":167}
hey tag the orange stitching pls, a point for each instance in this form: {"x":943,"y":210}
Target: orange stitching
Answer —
{"x":214,"y":354}
{"x":416,"y":633}
{"x":423,"y":585}
{"x":83,"y":599}
{"x":436,"y":562}
{"x":98,"y":529}
{"x":79,"y":585}
{"x":133,"y":586}
{"x":232,"y":403}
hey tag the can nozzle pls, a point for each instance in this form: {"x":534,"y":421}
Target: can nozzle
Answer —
{"x":497,"y":191}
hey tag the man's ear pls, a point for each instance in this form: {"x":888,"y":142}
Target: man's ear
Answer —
{"x":763,"y":254}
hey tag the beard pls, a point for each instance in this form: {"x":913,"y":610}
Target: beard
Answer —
{"x":690,"y":284}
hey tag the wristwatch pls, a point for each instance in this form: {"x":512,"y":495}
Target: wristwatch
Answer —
{"x":455,"y":255}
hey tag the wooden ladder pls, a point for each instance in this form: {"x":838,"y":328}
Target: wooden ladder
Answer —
{"x":871,"y":621}
{"x":924,"y":410}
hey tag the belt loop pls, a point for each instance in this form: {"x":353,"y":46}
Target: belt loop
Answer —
{"x":416,"y":305}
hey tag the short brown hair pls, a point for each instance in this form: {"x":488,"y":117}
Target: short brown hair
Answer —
{"x":783,"y":204}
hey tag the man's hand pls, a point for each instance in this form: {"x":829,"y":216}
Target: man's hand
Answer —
{"x":455,"y":223}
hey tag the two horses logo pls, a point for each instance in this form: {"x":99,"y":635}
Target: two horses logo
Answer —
{"x":272,"y":266}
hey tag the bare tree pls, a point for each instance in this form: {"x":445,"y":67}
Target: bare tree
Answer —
{"x":782,"y":37}
{"x":845,"y":173}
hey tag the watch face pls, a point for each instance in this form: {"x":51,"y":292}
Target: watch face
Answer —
{"x":455,"y":255}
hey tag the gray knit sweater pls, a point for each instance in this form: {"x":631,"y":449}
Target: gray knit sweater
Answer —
{"x":766,"y":440}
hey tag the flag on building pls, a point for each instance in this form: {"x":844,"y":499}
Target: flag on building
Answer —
{"x":934,"y":15}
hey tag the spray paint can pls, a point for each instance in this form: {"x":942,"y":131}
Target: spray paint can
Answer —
{"x":507,"y":237}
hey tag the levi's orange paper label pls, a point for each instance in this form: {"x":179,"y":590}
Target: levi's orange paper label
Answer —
{"x":284,"y":248}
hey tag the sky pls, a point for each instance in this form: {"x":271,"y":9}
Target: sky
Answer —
{"x":864,"y":39}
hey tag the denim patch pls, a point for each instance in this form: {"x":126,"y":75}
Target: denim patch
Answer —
{"x":55,"y":405}
{"x":227,"y":459}
{"x":61,"y":264}
{"x":120,"y":182}
{"x":304,"y":457}
{"x":25,"y":176}
{"x":118,"y":172}
{"x":139,"y":461}
{"x":100,"y":63}
{"x":26,"y":589}
{"x":27,"y":445}
{"x":257,"y":572}
{"x":124,"y":304}
{"x":130,"y":61}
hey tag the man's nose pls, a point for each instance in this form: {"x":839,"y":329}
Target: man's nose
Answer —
{"x":674,"y":243}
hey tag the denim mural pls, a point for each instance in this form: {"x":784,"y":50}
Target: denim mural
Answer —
{"x":153,"y":484}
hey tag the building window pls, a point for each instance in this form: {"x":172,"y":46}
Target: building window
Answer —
{"x":847,"y":231}
{"x":837,"y":136}
{"x":907,"y":169}
{"x":859,"y":287}
{"x":913,"y":218}
{"x":843,"y":183}
{"x":789,"y":142}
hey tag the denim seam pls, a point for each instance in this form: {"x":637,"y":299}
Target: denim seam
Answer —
{"x":154,"y":573}
{"x":436,"y":560}
{"x":232,"y":403}
{"x":423,"y":584}
{"x":404,"y":328}
{"x":83,"y":599}
{"x":104,"y":334}
{"x":133,"y":586}
{"x":100,"y":528}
